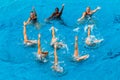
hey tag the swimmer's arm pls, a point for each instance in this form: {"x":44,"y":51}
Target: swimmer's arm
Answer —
{"x":51,"y":16}
{"x":55,"y":55}
{"x":39,"y":49}
{"x":28,"y":21}
{"x":24,"y":32}
{"x":95,"y":10}
{"x":76,"y":45}
{"x":56,"y":59}
{"x":61,"y":9}
{"x":33,"y":9}
{"x":83,"y":15}
{"x":24,"y":28}
{"x":53,"y":33}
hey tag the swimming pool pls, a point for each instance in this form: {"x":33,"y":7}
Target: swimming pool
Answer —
{"x":18,"y":62}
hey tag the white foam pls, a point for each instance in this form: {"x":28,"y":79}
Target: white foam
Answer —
{"x":54,"y":28}
{"x":66,"y":47}
{"x":92,"y":38}
{"x":34,"y":53}
{"x":58,"y":68}
{"x":33,"y":42}
{"x":39,"y":57}
{"x":78,"y":19}
{"x":52,"y":62}
{"x":76,"y":29}
{"x":100,"y":40}
{"x":61,"y":62}
{"x":86,"y":27}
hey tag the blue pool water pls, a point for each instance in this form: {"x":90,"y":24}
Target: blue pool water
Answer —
{"x":18,"y":62}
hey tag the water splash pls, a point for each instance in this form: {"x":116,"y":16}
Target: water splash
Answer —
{"x":54,"y":28}
{"x":76,"y":29}
{"x":86,"y":27}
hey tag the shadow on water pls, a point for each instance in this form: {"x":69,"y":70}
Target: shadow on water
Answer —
{"x":115,"y":55}
{"x":6,"y":54}
{"x":60,"y":20}
{"x":2,"y":26}
{"x":8,"y":58}
{"x":112,"y":55}
{"x":116,"y":19}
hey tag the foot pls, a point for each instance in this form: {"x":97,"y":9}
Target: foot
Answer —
{"x":98,"y":7}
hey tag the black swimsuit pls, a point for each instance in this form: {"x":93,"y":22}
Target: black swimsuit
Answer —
{"x":33,"y":20}
{"x":88,"y":15}
{"x":56,"y":16}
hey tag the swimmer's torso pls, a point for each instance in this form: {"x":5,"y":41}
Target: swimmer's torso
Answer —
{"x":88,"y":14}
{"x":33,"y":17}
{"x":56,"y":15}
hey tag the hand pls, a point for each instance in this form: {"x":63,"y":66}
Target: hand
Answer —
{"x":98,"y":7}
{"x":24,"y":23}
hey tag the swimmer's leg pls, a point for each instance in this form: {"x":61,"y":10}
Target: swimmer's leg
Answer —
{"x":39,"y":45}
{"x":55,"y":58}
{"x":31,"y":42}
{"x":83,"y":57}
{"x":76,"y":47}
{"x":24,"y":32}
{"x":89,"y":31}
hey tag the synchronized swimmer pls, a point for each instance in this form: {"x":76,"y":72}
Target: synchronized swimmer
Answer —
{"x":33,"y":18}
{"x":88,"y":13}
{"x":90,"y":40}
{"x":56,"y":14}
